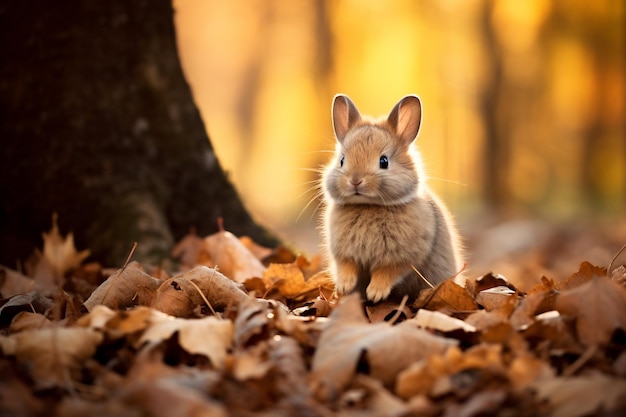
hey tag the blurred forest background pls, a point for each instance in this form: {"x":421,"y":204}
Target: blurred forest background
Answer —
{"x":524,"y":101}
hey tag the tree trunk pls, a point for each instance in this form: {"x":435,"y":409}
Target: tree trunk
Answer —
{"x":98,"y":124}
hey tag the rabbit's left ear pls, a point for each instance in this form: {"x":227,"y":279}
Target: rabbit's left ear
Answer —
{"x":345,"y":116}
{"x":406,"y":117}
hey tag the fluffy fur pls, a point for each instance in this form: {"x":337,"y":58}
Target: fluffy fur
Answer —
{"x":382,"y":222}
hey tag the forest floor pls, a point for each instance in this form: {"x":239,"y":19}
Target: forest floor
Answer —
{"x":535,"y":326}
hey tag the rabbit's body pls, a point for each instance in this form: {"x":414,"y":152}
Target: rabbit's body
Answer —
{"x":381,"y":222}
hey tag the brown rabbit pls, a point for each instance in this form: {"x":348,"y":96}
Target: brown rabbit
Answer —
{"x":381,"y":220}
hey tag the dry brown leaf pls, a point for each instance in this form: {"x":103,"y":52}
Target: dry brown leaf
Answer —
{"x":251,"y":363}
{"x":386,"y":311}
{"x":483,"y":403}
{"x":585,"y":273}
{"x":260,"y":252}
{"x":494,"y":297}
{"x":31,"y":301}
{"x":599,"y":307}
{"x":526,"y":370}
{"x":188,"y":249}
{"x":289,"y":369}
{"x":60,"y":252}
{"x":305,"y":330}
{"x":551,"y":329}
{"x":369,"y":398}
{"x":166,"y":398}
{"x":534,"y":303}
{"x":127,"y":287}
{"x":13,"y":283}
{"x":181,"y":295}
{"x":208,"y":336}
{"x":349,"y":339}
{"x":252,"y":322}
{"x":118,"y":324}
{"x":438,"y":321}
{"x":53,"y":356}
{"x":287,"y":278}
{"x":231,"y":257}
{"x":491,"y":280}
{"x":290,"y":282}
{"x":583,"y":395}
{"x":447,"y":295}
{"x":421,"y":378}
{"x":26,"y":320}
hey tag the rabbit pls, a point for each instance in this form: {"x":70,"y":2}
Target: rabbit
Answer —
{"x":381,"y":222}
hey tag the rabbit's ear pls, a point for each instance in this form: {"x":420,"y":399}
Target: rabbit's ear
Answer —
{"x":345,"y":116}
{"x":405,"y":118}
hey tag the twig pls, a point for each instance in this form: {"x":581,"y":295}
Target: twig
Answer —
{"x":396,"y":316}
{"x":580,"y":362}
{"x":619,"y":252}
{"x":130,"y":255}
{"x":215,"y":313}
{"x":422,"y":277}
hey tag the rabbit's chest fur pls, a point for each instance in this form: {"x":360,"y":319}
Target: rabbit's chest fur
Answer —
{"x":377,"y":235}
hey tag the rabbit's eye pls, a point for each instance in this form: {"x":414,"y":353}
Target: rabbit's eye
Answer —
{"x":341,"y":161}
{"x":384,"y":162}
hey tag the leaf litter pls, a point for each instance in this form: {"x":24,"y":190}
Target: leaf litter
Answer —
{"x":242,"y":330}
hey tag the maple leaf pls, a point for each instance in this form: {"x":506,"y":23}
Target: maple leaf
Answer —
{"x":599,"y":307}
{"x":60,"y":252}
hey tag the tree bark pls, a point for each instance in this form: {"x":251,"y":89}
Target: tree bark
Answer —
{"x":98,"y":124}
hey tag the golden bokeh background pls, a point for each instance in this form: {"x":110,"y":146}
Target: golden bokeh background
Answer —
{"x":523,"y":100}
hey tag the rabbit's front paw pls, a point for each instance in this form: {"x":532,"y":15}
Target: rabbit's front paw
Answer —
{"x":382,"y":282}
{"x":346,"y":277}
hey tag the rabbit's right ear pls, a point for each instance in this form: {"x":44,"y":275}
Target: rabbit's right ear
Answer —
{"x":345,"y":116}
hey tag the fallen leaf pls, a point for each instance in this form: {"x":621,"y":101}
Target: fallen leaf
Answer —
{"x":482,"y":403}
{"x":165,"y":398}
{"x":349,"y":339}
{"x":260,"y":252}
{"x":208,"y":336}
{"x":32,"y":301}
{"x":446,"y":295}
{"x":494,"y":297}
{"x":13,"y":283}
{"x":26,"y":320}
{"x":290,"y":282}
{"x":368,"y":398}
{"x":60,"y":252}
{"x":252,"y":322}
{"x":585,"y":273}
{"x":438,"y":321}
{"x":491,"y":280}
{"x":534,"y":303}
{"x":583,"y":395}
{"x":182,"y":294}
{"x":422,"y":378}
{"x":599,"y":307}
{"x":231,"y":257}
{"x":53,"y":355}
{"x":188,"y":249}
{"x":124,"y":288}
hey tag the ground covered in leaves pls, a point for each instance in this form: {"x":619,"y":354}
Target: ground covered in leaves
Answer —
{"x":261,"y":334}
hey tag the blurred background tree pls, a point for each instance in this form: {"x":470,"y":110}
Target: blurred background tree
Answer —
{"x":524,"y":101}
